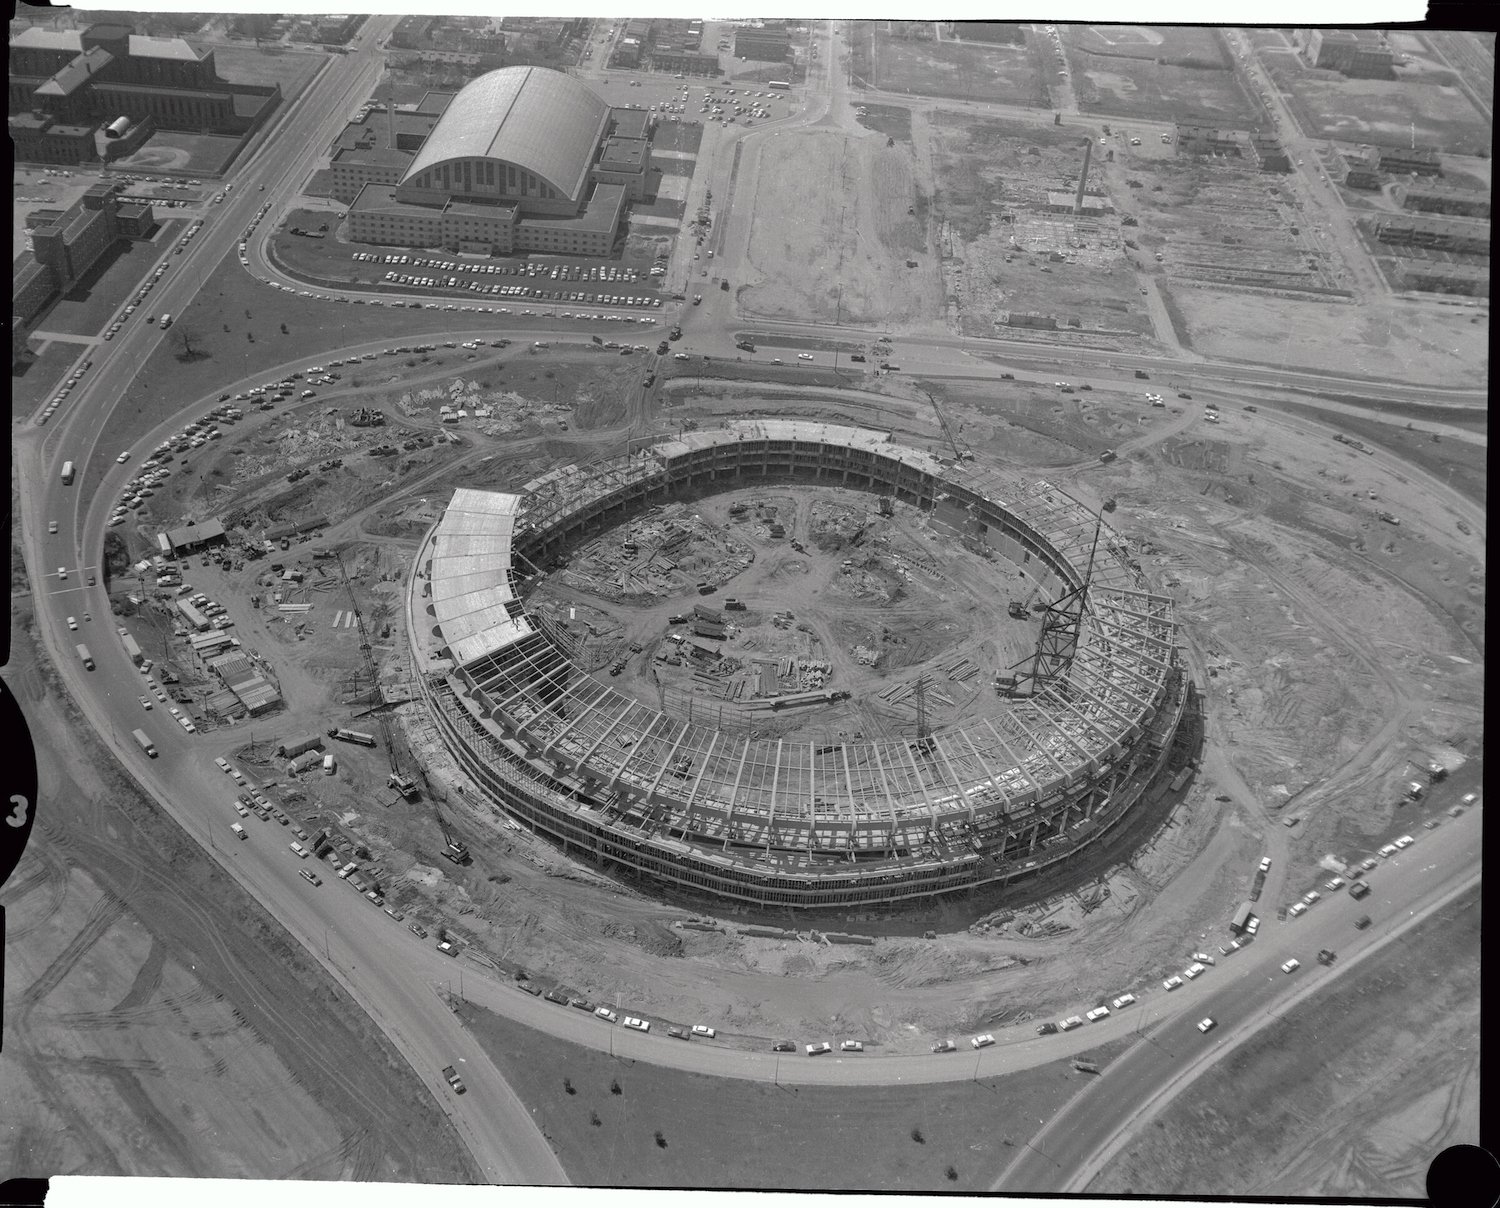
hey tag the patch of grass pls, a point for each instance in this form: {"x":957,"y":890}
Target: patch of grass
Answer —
{"x":668,"y":1128}
{"x":33,"y":381}
{"x":1387,"y":1032}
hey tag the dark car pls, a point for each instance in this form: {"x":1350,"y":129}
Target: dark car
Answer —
{"x":1362,"y":922}
{"x":1045,"y":1029}
{"x":784,"y":1046}
{"x":530,"y":988}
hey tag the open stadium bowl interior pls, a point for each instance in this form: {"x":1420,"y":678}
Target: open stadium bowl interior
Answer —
{"x":780,"y":822}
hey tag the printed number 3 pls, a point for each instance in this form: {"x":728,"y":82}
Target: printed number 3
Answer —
{"x":17,"y":816}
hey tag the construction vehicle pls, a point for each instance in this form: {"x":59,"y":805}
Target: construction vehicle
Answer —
{"x":1017,"y":610}
{"x":961,"y":451}
{"x":354,"y":736}
{"x":453,"y":850}
{"x":397,"y":780}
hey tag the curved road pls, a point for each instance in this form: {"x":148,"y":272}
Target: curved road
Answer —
{"x":398,"y":979}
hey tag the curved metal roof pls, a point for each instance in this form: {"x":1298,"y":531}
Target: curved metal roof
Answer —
{"x":540,"y":120}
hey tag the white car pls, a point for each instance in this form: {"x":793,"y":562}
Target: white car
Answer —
{"x":1204,"y":957}
{"x":804,"y":356}
{"x":223,"y":764}
{"x":1172,"y":983}
{"x":700,"y":1029}
{"x":62,"y":572}
{"x":123,"y":458}
{"x":640,"y":1025}
{"x":821,"y":1047}
{"x":1253,"y":925}
{"x":606,"y":1013}
{"x":1123,"y":1001}
{"x":1390,"y":849}
{"x":1097,"y":1014}
{"x":1311,"y":896}
{"x":1291,"y":966}
{"x":1071,"y":1022}
{"x":72,"y":623}
{"x":1265,"y":864}
{"x":852,"y":1046}
{"x":145,"y":701}
{"x":1297,"y":909}
{"x":1194,"y":970}
{"x":982,"y":1042}
{"x":1405,"y":841}
{"x":1335,"y":883}
{"x":1208,"y":1024}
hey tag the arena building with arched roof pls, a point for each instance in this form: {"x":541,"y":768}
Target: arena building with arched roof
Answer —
{"x":520,"y":159}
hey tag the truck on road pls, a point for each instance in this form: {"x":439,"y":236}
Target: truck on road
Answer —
{"x":354,"y":736}
{"x":132,"y":649}
{"x":85,"y":656}
{"x":144,"y":743}
{"x":1241,"y":918}
{"x":67,"y":473}
{"x":454,"y":1080}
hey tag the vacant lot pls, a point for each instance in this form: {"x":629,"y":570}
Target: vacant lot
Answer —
{"x":267,"y":65}
{"x":667,"y":1128}
{"x":1381,"y":340}
{"x":1350,"y":1094}
{"x":1327,"y":105}
{"x":838,"y":254}
{"x":964,"y":70}
{"x":1161,"y":75}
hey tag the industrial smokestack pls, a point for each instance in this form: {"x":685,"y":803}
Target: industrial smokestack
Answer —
{"x":1083,"y":177}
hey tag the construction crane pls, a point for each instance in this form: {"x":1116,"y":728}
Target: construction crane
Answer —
{"x":453,"y":849}
{"x":397,"y":780}
{"x":959,"y":454}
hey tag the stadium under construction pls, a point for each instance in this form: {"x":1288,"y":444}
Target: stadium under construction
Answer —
{"x":778,"y":822}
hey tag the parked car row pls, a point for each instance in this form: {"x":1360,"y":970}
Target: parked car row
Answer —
{"x":63,"y":391}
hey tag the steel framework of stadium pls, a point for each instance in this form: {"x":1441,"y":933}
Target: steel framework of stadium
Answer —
{"x":779,"y":821}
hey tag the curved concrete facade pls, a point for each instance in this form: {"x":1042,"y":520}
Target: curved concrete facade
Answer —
{"x":790,"y":822}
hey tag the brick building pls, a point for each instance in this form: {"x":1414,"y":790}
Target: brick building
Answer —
{"x":67,"y":244}
{"x":81,"y":78}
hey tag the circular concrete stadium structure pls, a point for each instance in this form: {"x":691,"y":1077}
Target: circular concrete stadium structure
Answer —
{"x":773,"y":822}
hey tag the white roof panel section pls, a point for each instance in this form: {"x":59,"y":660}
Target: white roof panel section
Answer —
{"x":471,"y":574}
{"x":497,"y":637}
{"x":541,"y":120}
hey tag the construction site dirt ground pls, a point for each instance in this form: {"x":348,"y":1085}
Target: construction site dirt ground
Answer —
{"x":1349,"y":1094}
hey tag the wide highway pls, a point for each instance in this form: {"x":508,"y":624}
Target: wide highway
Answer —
{"x":398,"y":978}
